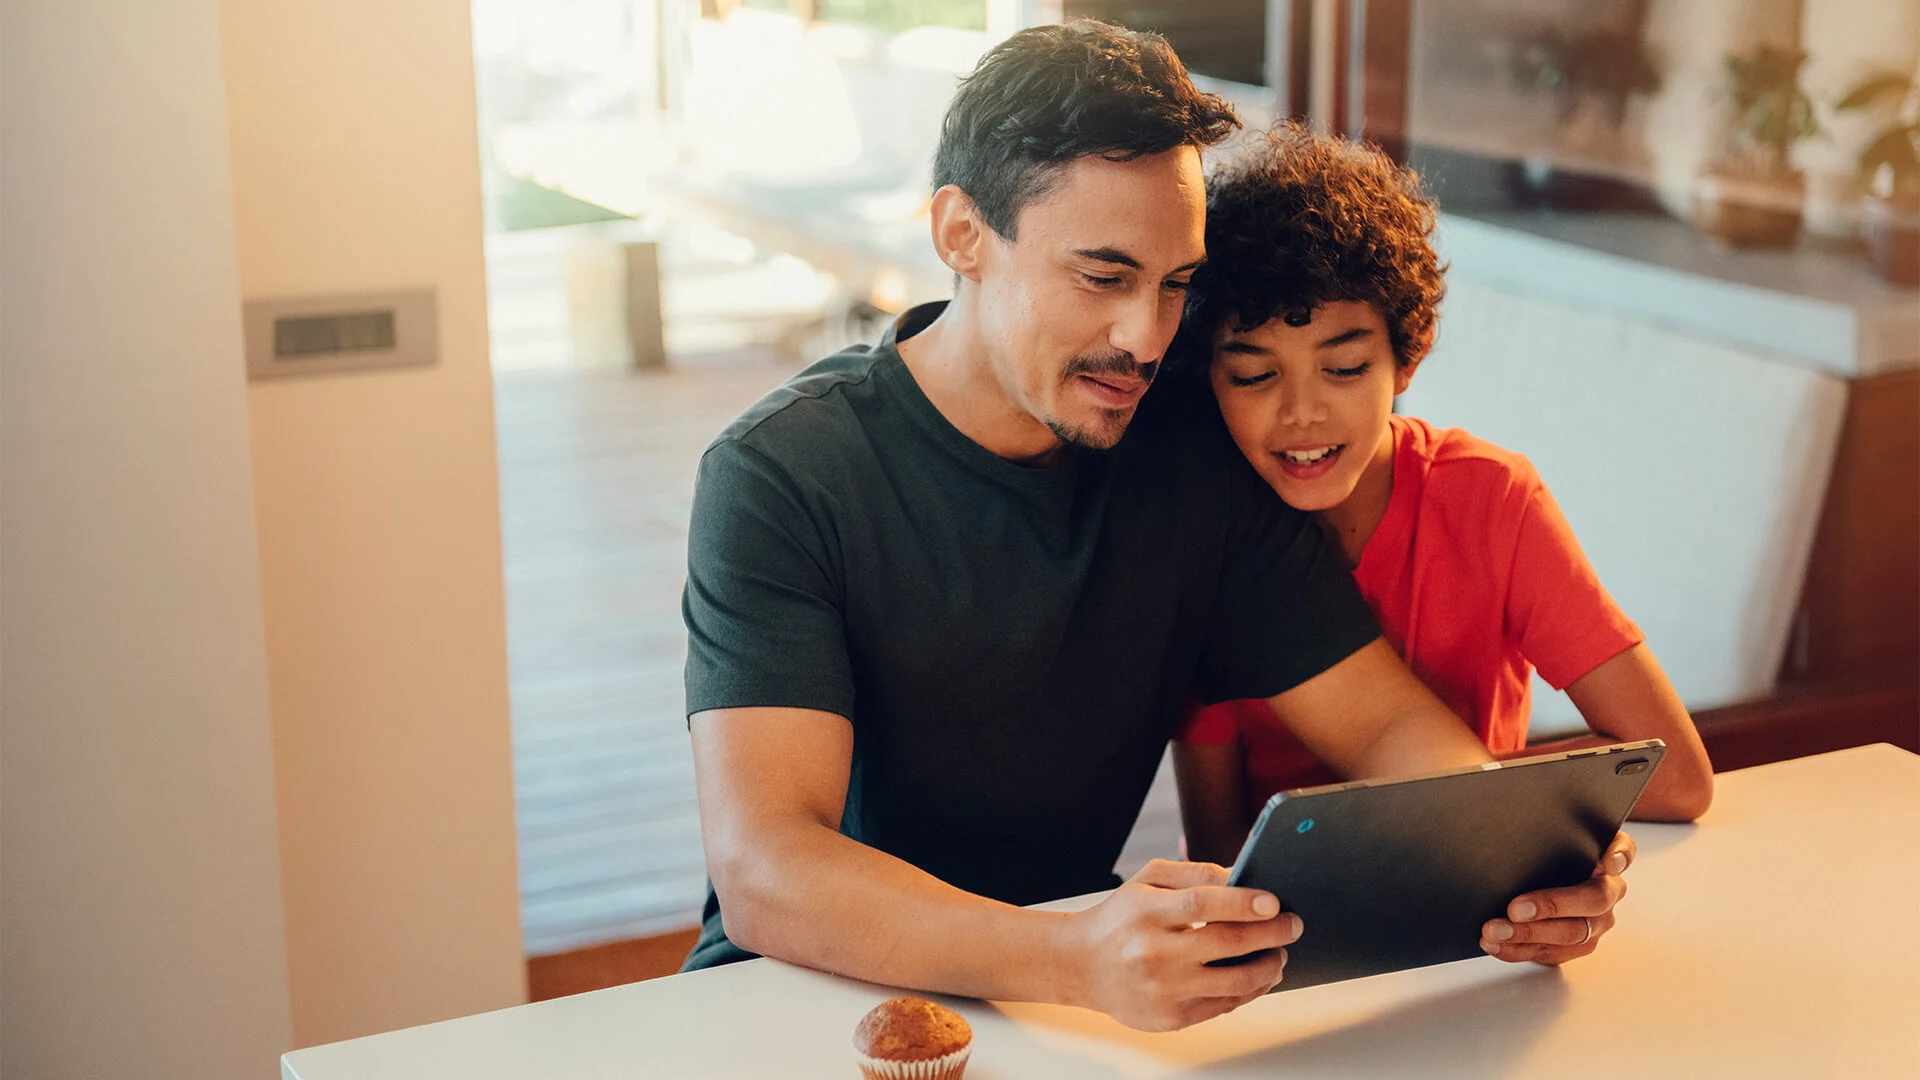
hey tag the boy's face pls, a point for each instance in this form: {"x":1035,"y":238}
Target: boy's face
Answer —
{"x":1079,"y":309}
{"x":1308,"y":405}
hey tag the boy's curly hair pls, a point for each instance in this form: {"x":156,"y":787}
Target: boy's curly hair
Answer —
{"x":1304,"y":220}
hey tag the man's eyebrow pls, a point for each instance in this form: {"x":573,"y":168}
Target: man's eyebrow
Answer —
{"x":1121,"y":258}
{"x":1108,"y":255}
{"x":1354,"y":334}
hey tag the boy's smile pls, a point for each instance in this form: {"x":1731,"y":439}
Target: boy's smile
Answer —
{"x":1308,"y":404}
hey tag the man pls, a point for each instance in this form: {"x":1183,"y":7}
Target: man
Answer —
{"x":942,"y":615}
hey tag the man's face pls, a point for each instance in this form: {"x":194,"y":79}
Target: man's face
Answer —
{"x":1077,"y":311}
{"x":1308,"y":404}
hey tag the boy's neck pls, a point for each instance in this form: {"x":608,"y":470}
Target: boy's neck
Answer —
{"x":1352,"y":523}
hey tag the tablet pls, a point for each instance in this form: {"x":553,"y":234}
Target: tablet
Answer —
{"x":1394,"y":874}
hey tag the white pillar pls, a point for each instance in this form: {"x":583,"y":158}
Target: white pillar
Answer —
{"x":139,"y":866}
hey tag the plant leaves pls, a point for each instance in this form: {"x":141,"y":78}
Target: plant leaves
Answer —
{"x":1870,"y":91}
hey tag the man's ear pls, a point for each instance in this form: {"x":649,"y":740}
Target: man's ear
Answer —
{"x":1403,"y":377}
{"x":959,"y":235}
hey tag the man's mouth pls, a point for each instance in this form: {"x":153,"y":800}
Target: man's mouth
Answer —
{"x":1115,"y":390}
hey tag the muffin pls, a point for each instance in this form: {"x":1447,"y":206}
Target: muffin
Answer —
{"x":910,"y":1039}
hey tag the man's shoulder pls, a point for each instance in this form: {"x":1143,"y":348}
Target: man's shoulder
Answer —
{"x":819,"y":406}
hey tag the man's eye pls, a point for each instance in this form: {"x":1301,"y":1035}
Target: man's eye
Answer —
{"x":1101,"y":282}
{"x":1252,"y":380}
{"x":1177,"y":286}
{"x":1350,"y":372}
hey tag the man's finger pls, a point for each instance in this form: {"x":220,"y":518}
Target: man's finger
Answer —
{"x":1551,"y":955}
{"x":1582,"y":930}
{"x":1595,"y":896}
{"x":1167,"y":874}
{"x":1244,"y":981}
{"x":1223,"y":940}
{"x":1620,"y":855}
{"x":1195,"y":907}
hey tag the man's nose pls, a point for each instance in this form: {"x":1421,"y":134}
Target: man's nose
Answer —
{"x":1144,"y":327}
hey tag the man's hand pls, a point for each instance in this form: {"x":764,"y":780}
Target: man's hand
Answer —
{"x":1145,"y":948}
{"x":1553,"y":926}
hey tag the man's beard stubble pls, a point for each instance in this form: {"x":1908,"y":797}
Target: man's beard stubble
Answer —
{"x":1108,"y":435}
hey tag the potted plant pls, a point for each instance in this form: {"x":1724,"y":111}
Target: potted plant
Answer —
{"x":1890,"y":166}
{"x":1593,"y":75}
{"x":1751,"y":196}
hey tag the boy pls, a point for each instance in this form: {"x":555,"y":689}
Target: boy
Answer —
{"x":1320,"y":304}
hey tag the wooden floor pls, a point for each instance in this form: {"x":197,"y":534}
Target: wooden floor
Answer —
{"x":596,"y":471}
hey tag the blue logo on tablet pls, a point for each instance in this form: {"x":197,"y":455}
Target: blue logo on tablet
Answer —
{"x":1304,"y":826}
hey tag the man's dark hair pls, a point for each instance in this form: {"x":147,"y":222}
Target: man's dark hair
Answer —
{"x":1303,"y":220}
{"x":1050,"y":94}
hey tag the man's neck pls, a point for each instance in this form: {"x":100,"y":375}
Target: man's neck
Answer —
{"x":950,"y":361}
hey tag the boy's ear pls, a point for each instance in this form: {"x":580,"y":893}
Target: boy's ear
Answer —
{"x":958,"y":232}
{"x":1403,"y":377}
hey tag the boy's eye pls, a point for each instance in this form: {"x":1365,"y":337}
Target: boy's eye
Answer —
{"x":1177,"y":286}
{"x":1251,"y":380}
{"x":1101,"y":282}
{"x":1350,"y":372}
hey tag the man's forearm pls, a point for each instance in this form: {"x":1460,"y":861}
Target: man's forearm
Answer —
{"x":809,"y":895}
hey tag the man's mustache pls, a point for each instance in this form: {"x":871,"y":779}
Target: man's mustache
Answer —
{"x":1114,"y":363}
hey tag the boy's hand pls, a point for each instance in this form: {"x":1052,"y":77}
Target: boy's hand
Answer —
{"x":1553,"y":926}
{"x":1143,"y":951}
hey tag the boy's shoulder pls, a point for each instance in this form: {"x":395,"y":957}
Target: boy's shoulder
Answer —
{"x":1459,"y":465}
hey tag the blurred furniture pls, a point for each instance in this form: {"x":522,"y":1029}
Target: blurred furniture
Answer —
{"x":1687,"y":408}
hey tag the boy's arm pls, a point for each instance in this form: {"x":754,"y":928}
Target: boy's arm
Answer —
{"x":1628,"y":698}
{"x":772,"y":783}
{"x":1579,"y":639}
{"x":1213,"y":805}
{"x":1368,"y":716}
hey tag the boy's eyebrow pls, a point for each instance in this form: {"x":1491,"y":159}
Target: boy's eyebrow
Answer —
{"x":1244,"y":348}
{"x":1354,"y":334}
{"x":1121,"y":258}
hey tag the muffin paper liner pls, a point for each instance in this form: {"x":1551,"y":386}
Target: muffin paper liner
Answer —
{"x":945,"y":1067}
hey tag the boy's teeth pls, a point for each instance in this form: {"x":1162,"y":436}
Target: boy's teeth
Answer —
{"x":1307,"y":457}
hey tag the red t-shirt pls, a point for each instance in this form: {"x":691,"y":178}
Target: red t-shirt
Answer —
{"x":1476,"y":580}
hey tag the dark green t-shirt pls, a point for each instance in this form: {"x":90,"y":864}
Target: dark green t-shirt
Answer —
{"x":1010,"y":644}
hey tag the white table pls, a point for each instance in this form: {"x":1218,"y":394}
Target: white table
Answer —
{"x":1781,"y":937}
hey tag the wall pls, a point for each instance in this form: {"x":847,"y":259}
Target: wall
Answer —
{"x":356,"y":167}
{"x":139,"y":884}
{"x":1692,"y":471}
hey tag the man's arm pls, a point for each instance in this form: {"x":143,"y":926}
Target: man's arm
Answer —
{"x":772,"y":783}
{"x":1368,"y":716}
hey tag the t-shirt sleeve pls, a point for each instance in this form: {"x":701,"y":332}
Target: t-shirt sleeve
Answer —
{"x":1286,"y":609}
{"x":763,"y":600}
{"x":1207,"y":724}
{"x":1563,"y":621}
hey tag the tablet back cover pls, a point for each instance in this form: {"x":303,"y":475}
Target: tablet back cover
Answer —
{"x":1389,"y":875}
